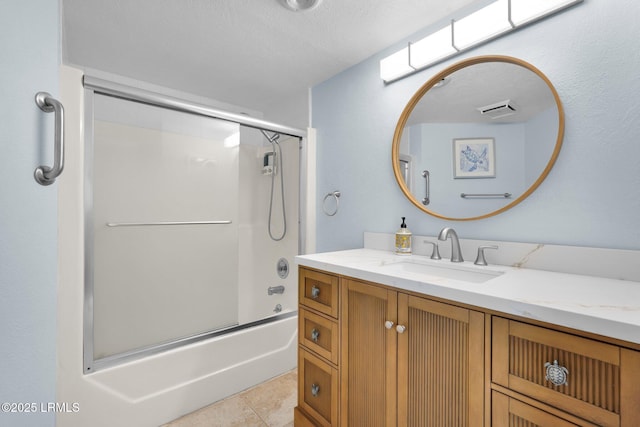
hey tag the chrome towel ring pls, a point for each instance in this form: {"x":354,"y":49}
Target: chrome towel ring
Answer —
{"x":336,"y":196}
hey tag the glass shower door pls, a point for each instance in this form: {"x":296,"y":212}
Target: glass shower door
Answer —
{"x":164,"y":234}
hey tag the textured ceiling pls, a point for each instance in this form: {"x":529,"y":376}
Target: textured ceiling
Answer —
{"x":483,"y":84}
{"x":253,"y":53}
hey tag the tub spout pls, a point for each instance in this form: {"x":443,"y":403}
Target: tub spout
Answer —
{"x":275,"y":290}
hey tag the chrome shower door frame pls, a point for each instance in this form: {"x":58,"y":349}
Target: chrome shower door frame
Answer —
{"x":94,"y":86}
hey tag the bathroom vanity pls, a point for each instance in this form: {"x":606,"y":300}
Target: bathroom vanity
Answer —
{"x":387,"y":340}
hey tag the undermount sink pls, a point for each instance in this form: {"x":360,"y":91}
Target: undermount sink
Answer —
{"x":454,"y":271}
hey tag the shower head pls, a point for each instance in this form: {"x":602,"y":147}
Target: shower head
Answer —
{"x":273,"y":138}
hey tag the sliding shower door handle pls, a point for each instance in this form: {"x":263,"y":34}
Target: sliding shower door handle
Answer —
{"x":46,"y":175}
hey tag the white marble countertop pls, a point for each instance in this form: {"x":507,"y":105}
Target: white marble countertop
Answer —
{"x":607,"y":307}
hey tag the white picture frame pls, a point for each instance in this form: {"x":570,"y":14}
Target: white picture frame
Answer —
{"x":474,"y":158}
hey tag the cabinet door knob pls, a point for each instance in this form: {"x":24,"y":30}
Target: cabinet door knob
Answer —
{"x":315,"y":292}
{"x":388,"y":324}
{"x":315,"y":334}
{"x":401,"y":329}
{"x":315,"y":390}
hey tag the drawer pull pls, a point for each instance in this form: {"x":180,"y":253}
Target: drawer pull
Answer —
{"x":315,"y":334}
{"x":315,"y":292}
{"x":557,"y":374}
{"x":315,"y":390}
{"x":401,"y":329}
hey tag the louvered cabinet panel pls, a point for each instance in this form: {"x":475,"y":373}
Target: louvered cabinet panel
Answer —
{"x":368,"y":362}
{"x":440,"y":364}
{"x":585,"y":381}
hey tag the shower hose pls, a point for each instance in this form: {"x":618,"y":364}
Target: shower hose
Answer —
{"x":274,"y":143}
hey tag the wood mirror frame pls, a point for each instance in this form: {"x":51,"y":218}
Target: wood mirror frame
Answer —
{"x":409,"y":108}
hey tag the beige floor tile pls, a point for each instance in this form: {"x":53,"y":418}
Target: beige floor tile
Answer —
{"x":231,"y":412}
{"x":274,"y":400}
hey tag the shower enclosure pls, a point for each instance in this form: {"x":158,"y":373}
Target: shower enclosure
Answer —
{"x":191,"y":223}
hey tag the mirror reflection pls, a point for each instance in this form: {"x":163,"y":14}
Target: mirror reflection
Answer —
{"x":478,"y":138}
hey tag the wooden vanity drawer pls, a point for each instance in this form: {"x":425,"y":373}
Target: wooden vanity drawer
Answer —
{"x":318,"y":334}
{"x":509,"y":412}
{"x":317,"y":388}
{"x":522,"y":353}
{"x":318,"y":291}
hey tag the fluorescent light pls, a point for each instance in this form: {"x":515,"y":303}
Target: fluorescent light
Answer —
{"x":494,"y":20}
{"x":484,"y":24}
{"x":396,"y":65}
{"x":523,"y":11}
{"x":432,"y":48}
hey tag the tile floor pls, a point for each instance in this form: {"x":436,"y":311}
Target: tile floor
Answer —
{"x":269,"y":404}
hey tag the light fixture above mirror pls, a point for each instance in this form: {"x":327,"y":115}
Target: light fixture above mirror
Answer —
{"x":494,"y":20}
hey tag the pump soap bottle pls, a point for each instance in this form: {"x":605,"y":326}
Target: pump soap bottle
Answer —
{"x":403,"y":240}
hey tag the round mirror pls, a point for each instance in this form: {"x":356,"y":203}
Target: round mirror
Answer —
{"x":478,"y":138}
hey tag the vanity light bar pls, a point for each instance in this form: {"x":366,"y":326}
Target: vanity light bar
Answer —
{"x":492,"y":21}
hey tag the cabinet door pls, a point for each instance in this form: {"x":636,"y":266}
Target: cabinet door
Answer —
{"x":440,"y":364}
{"x":368,"y":363}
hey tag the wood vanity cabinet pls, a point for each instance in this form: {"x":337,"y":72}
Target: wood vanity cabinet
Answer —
{"x":372,"y":355}
{"x":402,"y":360}
{"x":409,"y":361}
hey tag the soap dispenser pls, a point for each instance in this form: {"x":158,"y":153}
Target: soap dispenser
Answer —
{"x":403,"y":240}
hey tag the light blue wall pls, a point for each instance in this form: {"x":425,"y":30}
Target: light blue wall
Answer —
{"x":509,"y":143}
{"x":591,"y":53}
{"x":29,"y":39}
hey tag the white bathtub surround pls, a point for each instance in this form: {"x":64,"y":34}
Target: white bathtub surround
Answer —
{"x":599,"y":305}
{"x":269,"y":404}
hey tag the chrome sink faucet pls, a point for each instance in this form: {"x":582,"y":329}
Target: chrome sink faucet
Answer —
{"x":456,"y":254}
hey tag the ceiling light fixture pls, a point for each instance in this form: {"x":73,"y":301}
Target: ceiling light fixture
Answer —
{"x":300,"y":5}
{"x":492,"y":21}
